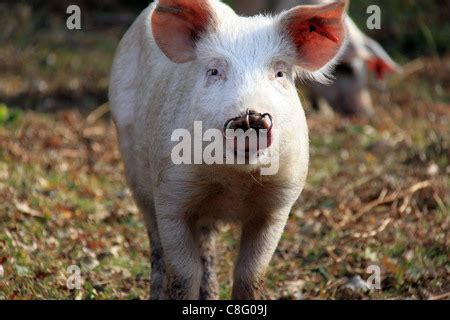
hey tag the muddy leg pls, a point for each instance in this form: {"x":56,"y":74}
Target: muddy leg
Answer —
{"x":207,"y":234}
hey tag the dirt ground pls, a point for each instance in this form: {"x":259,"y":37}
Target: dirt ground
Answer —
{"x":378,"y":191}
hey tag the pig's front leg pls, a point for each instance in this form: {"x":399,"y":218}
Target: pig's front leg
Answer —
{"x":158,"y":268}
{"x":183,"y":264}
{"x":258,"y":242}
{"x":207,"y":235}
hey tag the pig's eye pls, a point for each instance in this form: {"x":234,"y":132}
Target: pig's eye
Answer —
{"x":216,"y":72}
{"x":280,"y":74}
{"x":213,"y":72}
{"x":214,"y":75}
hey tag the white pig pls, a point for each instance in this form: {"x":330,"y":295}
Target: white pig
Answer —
{"x":196,"y":60}
{"x":348,"y":94}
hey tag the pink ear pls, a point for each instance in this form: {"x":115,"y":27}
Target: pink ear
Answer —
{"x":317,"y":32}
{"x":178,"y":24}
{"x":380,"y":67}
{"x":379,"y":60}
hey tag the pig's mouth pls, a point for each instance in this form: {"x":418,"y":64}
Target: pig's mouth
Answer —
{"x":251,"y":133}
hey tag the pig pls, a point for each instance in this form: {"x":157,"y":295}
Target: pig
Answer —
{"x":348,"y":94}
{"x":188,"y":61}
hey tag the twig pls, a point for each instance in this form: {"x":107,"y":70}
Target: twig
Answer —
{"x":373,"y":233}
{"x":383,"y":199}
{"x":440,"y":297}
{"x":97,"y":114}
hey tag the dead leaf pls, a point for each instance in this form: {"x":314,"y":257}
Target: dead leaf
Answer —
{"x":4,"y":174}
{"x":433,"y":169}
{"x":89,"y":263}
{"x":389,"y":264}
{"x":101,"y":213}
{"x":311,"y":228}
{"x":356,"y":283}
{"x":25,"y":208}
{"x":293,"y":289}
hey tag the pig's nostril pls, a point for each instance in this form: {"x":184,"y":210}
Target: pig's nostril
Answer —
{"x":250,"y":120}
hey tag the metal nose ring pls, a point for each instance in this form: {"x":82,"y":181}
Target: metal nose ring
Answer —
{"x":227,"y":127}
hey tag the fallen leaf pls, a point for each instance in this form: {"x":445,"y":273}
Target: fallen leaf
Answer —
{"x":89,"y":263}
{"x":311,"y":228}
{"x":389,"y":264}
{"x":356,"y":283}
{"x":433,"y":170}
{"x":101,"y":213}
{"x":3,"y":171}
{"x":25,"y":208}
{"x":115,"y":251}
{"x":299,"y":213}
{"x":79,"y":295}
{"x":293,"y":289}
{"x":118,"y":273}
{"x":22,"y":270}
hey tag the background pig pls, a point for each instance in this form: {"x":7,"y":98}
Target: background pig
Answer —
{"x":184,"y":61}
{"x":348,"y":94}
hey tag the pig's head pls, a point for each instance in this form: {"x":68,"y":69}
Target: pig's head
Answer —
{"x":243,"y":69}
{"x":349,"y":94}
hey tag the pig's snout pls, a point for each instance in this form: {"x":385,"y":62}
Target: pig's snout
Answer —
{"x":251,"y":120}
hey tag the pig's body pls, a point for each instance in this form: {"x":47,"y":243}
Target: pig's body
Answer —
{"x":348,"y":94}
{"x":151,"y":96}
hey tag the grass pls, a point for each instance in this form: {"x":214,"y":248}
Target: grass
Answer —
{"x":378,"y":191}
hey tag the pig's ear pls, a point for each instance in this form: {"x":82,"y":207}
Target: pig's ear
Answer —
{"x":317,"y":32}
{"x":379,"y":60}
{"x":178,"y":24}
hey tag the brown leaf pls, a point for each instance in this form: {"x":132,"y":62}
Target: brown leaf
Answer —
{"x":25,"y":208}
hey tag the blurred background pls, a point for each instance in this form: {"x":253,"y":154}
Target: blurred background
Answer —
{"x":45,"y":66}
{"x":378,"y":191}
